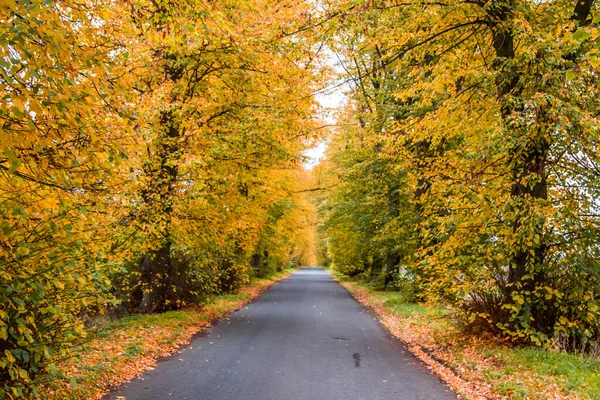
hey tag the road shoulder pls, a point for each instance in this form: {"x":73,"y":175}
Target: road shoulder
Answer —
{"x":478,"y":367}
{"x":130,"y":346}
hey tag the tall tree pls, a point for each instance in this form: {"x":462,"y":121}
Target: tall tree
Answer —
{"x":493,"y":128}
{"x":226,"y":94}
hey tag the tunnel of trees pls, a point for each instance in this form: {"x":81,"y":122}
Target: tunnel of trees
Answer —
{"x":152,"y":155}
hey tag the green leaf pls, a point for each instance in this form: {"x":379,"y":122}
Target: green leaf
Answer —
{"x":7,"y":229}
{"x":581,"y":34}
{"x":14,"y":165}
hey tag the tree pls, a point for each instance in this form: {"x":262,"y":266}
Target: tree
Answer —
{"x":488,"y":102}
{"x":64,"y":133}
{"x":141,"y":143}
{"x":225,"y":97}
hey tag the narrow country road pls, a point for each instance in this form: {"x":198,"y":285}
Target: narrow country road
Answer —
{"x":305,"y":338}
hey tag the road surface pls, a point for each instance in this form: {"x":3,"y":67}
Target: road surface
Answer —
{"x":305,"y":338}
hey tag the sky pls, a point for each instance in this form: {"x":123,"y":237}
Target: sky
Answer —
{"x":330,"y":100}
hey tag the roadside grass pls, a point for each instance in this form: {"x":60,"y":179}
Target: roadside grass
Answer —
{"x":479,"y":367}
{"x":577,"y":375}
{"x":119,"y":350}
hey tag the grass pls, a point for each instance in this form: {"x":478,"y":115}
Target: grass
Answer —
{"x":396,"y":301}
{"x":121,"y":349}
{"x":480,"y":367}
{"x":576,"y":374}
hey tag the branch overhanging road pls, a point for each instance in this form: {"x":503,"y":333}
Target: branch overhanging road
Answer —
{"x":305,"y":338}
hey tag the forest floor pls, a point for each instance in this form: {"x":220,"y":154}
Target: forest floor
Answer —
{"x":119,"y":350}
{"x":479,"y":367}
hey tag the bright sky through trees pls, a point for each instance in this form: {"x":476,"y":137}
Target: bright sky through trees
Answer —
{"x":331,"y":99}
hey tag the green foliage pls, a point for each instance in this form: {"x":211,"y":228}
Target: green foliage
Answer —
{"x":478,"y":122}
{"x":39,"y":317}
{"x":58,"y":160}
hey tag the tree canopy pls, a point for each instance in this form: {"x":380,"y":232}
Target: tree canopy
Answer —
{"x":470,"y":136}
{"x":151,"y":150}
{"x":152,"y":155}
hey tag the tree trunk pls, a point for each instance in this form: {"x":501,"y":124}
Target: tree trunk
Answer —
{"x":392,"y":259}
{"x":156,"y":269}
{"x":391,"y":262}
{"x":582,"y":11}
{"x":158,"y":196}
{"x":255,"y":263}
{"x":528,"y":161}
{"x":376,"y":266}
{"x":162,"y":170}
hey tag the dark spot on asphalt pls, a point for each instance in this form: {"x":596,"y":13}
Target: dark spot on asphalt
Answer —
{"x":340,"y":338}
{"x":356,"y":357}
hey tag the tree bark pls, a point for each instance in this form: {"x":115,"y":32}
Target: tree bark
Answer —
{"x":376,"y":266}
{"x":528,"y":161}
{"x":156,"y":269}
{"x":162,"y":171}
{"x":256,"y":260}
{"x":392,"y":259}
{"x":391,"y":262}
{"x":582,"y":11}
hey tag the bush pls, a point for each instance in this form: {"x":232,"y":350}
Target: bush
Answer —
{"x":560,"y":308}
{"x":40,"y":310}
{"x":190,"y":280}
{"x":351,"y":270}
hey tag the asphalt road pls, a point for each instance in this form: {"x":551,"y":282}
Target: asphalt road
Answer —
{"x":305,"y":338}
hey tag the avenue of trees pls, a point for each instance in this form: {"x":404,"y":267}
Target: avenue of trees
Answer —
{"x":151,"y":156}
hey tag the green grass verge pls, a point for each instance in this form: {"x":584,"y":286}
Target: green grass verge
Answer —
{"x":576,"y":374}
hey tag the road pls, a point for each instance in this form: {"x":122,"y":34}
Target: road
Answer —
{"x":305,"y":338}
